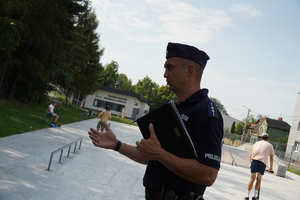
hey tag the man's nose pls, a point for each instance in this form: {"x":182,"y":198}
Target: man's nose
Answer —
{"x":165,"y":74}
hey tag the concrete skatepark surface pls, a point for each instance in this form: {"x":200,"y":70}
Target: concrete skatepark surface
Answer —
{"x":94,"y":173}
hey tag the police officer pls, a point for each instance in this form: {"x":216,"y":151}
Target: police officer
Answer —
{"x":186,"y":178}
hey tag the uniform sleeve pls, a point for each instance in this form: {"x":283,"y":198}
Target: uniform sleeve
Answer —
{"x":207,"y":140}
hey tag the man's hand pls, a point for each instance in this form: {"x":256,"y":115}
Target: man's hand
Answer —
{"x":107,"y":139}
{"x":149,"y":148}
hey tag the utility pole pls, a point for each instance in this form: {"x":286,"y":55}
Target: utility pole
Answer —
{"x":244,"y":131}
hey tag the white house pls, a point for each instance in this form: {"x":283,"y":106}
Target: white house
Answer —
{"x":293,"y":145}
{"x":128,"y":104}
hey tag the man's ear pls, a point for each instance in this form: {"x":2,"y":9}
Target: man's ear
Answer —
{"x":190,"y":70}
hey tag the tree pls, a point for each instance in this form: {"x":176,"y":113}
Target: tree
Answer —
{"x":8,"y":41}
{"x":232,"y":127}
{"x":45,"y":30}
{"x":56,"y":43}
{"x":239,"y":128}
{"x":219,"y":105}
{"x":109,"y":76}
{"x":162,"y":96}
{"x":124,"y":83}
{"x":85,"y":68}
{"x":226,"y":130}
{"x":146,"y":87}
{"x":283,"y":141}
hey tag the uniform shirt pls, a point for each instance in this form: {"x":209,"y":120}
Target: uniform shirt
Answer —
{"x":105,"y":116}
{"x":205,"y":127}
{"x":261,"y":150}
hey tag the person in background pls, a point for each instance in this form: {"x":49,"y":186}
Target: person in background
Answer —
{"x":186,"y":178}
{"x":260,"y":152}
{"x":104,"y":116}
{"x":50,"y":111}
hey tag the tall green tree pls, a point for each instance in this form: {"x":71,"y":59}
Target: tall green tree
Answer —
{"x":232,"y":127}
{"x":9,"y":40}
{"x":124,"y":83}
{"x":45,"y":30}
{"x":239,"y":128}
{"x":109,"y":75}
{"x":219,"y":105}
{"x":161,"y":96}
{"x":55,"y":42}
{"x":85,"y":67}
{"x":147,"y":88}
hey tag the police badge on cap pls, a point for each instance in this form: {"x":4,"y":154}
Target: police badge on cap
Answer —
{"x":188,"y":52}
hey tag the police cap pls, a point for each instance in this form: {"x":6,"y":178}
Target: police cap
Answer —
{"x":186,"y":51}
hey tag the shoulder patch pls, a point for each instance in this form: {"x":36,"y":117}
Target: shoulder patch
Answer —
{"x":211,"y":109}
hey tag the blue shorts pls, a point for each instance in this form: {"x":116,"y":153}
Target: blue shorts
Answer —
{"x":258,"y":166}
{"x":52,"y":114}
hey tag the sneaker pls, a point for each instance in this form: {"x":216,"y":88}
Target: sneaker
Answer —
{"x":246,"y":198}
{"x":255,"y":198}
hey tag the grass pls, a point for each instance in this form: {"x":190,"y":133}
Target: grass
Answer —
{"x":293,"y":171}
{"x":18,"y":118}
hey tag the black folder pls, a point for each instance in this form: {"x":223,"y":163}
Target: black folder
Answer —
{"x":170,"y":131}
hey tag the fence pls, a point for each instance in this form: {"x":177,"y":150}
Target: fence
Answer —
{"x":235,"y":140}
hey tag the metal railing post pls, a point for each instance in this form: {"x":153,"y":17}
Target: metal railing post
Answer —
{"x":80,"y":144}
{"x":50,"y":161}
{"x":75,"y":147}
{"x":61,"y":152}
{"x":69,"y":151}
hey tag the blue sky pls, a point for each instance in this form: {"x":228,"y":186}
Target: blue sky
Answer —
{"x":254,"y":47}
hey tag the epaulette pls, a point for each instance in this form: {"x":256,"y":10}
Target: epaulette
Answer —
{"x":212,"y":110}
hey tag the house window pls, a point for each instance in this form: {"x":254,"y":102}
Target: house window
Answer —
{"x":97,"y":103}
{"x":297,"y":146}
{"x":119,"y":107}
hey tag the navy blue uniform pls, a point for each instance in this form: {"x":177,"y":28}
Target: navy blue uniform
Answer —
{"x":205,"y":126}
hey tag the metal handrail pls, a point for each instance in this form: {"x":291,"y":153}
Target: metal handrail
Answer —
{"x":233,"y":160}
{"x":62,"y":149}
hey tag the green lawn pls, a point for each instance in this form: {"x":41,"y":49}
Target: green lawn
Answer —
{"x":293,"y":171}
{"x":17,"y":118}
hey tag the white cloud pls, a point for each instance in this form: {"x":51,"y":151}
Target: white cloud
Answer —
{"x":133,"y":20}
{"x":161,"y":20}
{"x":247,"y":11}
{"x":183,"y":22}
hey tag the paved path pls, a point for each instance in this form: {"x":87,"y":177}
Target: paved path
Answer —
{"x":93,"y":173}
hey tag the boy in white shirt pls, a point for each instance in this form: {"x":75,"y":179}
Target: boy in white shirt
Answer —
{"x":50,"y":111}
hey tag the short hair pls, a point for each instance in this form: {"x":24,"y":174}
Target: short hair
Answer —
{"x":107,"y":107}
{"x":199,"y":69}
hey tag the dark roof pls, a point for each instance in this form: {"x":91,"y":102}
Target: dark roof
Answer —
{"x":119,"y":91}
{"x":278,"y":124}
